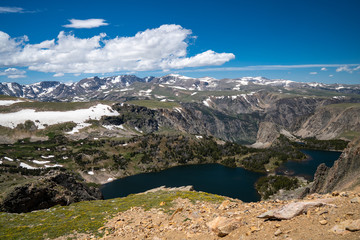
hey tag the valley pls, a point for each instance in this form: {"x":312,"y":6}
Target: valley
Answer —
{"x":63,"y":141}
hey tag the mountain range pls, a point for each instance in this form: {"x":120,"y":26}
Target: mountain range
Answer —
{"x":115,"y":87}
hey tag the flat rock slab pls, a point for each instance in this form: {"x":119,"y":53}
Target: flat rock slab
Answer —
{"x":291,"y":210}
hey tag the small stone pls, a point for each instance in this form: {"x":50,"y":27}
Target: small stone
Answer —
{"x":277,"y":225}
{"x":278,"y":232}
{"x":254,"y":229}
{"x":344,"y":194}
{"x":162,"y":203}
{"x":355,"y":200}
{"x":335,"y":194}
{"x":224,"y":205}
{"x":323,"y":222}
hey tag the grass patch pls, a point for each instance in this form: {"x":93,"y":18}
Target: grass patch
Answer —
{"x":350,"y":135}
{"x":86,"y":217}
{"x":49,"y":106}
{"x":343,"y":106}
{"x":153,"y":104}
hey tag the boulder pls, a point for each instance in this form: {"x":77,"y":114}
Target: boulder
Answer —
{"x":291,"y":210}
{"x":222,"y":226}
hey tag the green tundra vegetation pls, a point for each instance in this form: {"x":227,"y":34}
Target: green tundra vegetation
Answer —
{"x":270,"y":185}
{"x":62,"y":220}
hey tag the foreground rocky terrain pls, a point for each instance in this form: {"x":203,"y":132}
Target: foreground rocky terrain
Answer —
{"x":330,"y":216}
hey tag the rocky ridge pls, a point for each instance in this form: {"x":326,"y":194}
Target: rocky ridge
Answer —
{"x":330,"y":216}
{"x":344,"y":174}
{"x":50,"y":190}
{"x":116,"y":86}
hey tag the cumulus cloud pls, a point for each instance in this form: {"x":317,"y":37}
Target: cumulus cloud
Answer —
{"x":58,"y":75}
{"x":87,"y":23}
{"x":13,"y":73}
{"x":11,"y":10}
{"x":313,"y":73}
{"x":347,"y":68}
{"x":153,"y":49}
{"x":324,"y":69}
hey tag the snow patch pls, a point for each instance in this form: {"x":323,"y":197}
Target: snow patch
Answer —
{"x":11,"y":120}
{"x":194,"y":93}
{"x":9,"y":102}
{"x":178,"y":87}
{"x":199,"y":137}
{"x":9,"y":159}
{"x":207,"y":102}
{"x":113,"y":127}
{"x":24,"y":165}
{"x":53,"y":166}
{"x":40,"y":162}
{"x":78,"y":127}
{"x":47,"y":157}
{"x":90,"y":172}
{"x":116,"y":80}
{"x":110,"y":179}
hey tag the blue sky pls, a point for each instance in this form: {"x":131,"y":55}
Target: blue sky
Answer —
{"x":69,"y":40}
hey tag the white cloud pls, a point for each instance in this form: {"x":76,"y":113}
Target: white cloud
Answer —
{"x":347,"y":68}
{"x":153,"y":49}
{"x":324,"y":69}
{"x":331,"y":75}
{"x":268,"y":67}
{"x":11,"y":10}
{"x":13,"y":73}
{"x":313,"y":73}
{"x":58,"y":75}
{"x":87,"y":23}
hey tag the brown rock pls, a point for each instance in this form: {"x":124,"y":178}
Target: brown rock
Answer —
{"x":278,"y":232}
{"x":353,"y":226}
{"x":323,"y":222}
{"x":222,"y":226}
{"x":350,"y":225}
{"x":355,"y":200}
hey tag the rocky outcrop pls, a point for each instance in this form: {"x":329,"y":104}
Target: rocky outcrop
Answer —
{"x":345,"y":173}
{"x":53,"y":189}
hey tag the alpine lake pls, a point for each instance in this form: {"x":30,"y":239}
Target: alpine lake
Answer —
{"x":215,"y":178}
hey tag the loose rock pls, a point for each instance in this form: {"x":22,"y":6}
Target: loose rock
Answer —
{"x":222,"y":226}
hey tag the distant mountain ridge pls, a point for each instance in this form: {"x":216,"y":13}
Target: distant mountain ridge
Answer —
{"x":106,"y":87}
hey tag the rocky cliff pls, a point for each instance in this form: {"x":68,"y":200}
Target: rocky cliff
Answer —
{"x":344,"y":174}
{"x":53,"y":189}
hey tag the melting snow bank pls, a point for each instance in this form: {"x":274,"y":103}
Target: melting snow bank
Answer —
{"x":9,"y":102}
{"x":9,"y":159}
{"x":40,"y":162}
{"x":78,"y":128}
{"x":41,"y":119}
{"x":24,"y":165}
{"x":27,"y":166}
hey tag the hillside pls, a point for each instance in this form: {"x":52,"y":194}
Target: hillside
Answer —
{"x":175,"y":214}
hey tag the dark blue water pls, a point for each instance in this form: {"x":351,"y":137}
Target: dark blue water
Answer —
{"x":211,"y":178}
{"x":214,"y":178}
{"x":307,"y":168}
